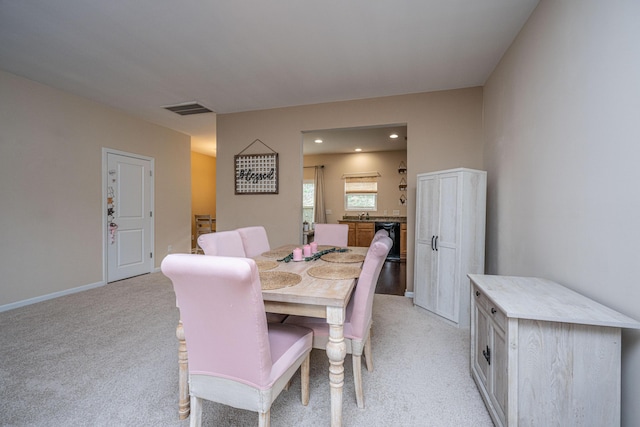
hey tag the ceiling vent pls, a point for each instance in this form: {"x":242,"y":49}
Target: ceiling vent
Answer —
{"x":188,"y":109}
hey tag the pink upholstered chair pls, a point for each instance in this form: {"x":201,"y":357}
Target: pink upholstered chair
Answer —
{"x":254,"y":240}
{"x":235,"y":357}
{"x":229,"y":243}
{"x":357,"y":326}
{"x":379,"y":234}
{"x":331,"y":234}
{"x":222,"y":243}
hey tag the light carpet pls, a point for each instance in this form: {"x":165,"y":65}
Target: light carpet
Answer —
{"x":108,"y":357}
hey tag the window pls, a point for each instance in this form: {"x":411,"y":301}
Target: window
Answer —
{"x":361,"y":193}
{"x":308,"y":198}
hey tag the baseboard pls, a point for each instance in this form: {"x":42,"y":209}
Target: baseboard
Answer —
{"x":34,"y":300}
{"x":408,"y":294}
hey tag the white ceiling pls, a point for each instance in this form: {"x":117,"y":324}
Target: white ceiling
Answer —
{"x":242,"y":55}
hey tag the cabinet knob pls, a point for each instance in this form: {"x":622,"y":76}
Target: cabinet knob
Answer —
{"x":493,"y":310}
{"x":477,"y":293}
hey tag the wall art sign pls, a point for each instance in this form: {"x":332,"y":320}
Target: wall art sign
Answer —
{"x":256,"y":173}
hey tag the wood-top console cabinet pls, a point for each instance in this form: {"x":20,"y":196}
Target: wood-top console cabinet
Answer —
{"x":544,"y":355}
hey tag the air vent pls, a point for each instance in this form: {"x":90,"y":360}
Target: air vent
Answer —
{"x":188,"y":109}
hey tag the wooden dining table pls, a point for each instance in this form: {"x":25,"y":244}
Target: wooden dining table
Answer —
{"x":313,"y":296}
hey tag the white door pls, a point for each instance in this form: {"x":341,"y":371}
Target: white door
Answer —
{"x":129,"y":216}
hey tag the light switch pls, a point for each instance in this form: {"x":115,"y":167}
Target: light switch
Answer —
{"x":328,"y":211}
{"x":396,"y":212}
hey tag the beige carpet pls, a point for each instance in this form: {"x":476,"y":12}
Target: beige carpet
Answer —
{"x":108,"y":357}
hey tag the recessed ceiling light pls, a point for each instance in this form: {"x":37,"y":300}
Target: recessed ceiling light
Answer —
{"x":358,"y":149}
{"x":318,"y":141}
{"x":393,"y":136}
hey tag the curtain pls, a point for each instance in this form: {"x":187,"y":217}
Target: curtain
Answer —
{"x":319,"y":216}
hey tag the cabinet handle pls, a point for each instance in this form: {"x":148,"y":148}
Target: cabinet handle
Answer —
{"x":493,"y":310}
{"x":432,"y":237}
{"x":436,"y":243}
{"x":477,"y":293}
{"x":487,"y":355}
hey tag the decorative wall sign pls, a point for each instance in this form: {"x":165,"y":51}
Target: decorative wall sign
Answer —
{"x":256,"y":173}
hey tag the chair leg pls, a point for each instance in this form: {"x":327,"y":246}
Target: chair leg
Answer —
{"x":264,"y":418}
{"x":357,"y":378}
{"x":367,"y":353}
{"x":304,"y":377}
{"x":196,"y":412}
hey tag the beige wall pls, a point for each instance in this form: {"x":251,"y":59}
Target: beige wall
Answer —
{"x":203,"y":188}
{"x":384,"y":162}
{"x":51,"y":187}
{"x":562,"y":134}
{"x":444,"y":130}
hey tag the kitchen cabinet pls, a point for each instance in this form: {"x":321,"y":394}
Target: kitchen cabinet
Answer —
{"x":449,"y":240}
{"x":351,"y":241}
{"x":360,"y":232}
{"x":544,"y":355}
{"x":364,"y":233}
{"x":403,"y":241}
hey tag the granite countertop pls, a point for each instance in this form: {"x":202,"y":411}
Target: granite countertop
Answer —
{"x":355,"y":218}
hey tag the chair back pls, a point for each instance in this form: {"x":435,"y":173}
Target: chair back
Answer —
{"x":331,"y":234}
{"x":379,"y":234}
{"x":254,"y":240}
{"x":361,"y":304}
{"x":222,"y":312}
{"x":222,"y":243}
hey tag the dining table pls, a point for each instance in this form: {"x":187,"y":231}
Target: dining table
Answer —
{"x":320,"y":286}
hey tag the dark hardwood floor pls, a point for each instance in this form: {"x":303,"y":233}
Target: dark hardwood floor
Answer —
{"x":393,"y":278}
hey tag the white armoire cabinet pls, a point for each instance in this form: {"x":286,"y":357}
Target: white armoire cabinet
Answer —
{"x":450,"y":230}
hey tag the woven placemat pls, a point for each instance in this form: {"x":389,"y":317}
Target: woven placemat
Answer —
{"x":342,"y":257}
{"x":335,"y":272}
{"x":266,"y":264}
{"x":278,"y":279}
{"x":280,"y":252}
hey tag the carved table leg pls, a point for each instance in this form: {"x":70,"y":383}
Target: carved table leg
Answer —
{"x":336,"y":351}
{"x":183,"y":374}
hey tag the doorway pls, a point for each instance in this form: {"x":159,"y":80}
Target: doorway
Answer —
{"x":378,"y":148}
{"x":128,"y":209}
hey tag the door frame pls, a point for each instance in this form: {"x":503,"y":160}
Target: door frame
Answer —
{"x":105,"y":172}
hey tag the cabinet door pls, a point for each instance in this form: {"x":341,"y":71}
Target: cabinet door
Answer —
{"x":403,"y":241}
{"x":427,"y":212}
{"x":351,"y":237}
{"x":480,"y":344}
{"x":446,"y":243}
{"x":499,"y":376}
{"x":489,"y":354}
{"x":364,"y":233}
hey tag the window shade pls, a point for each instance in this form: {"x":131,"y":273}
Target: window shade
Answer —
{"x":366,"y":184}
